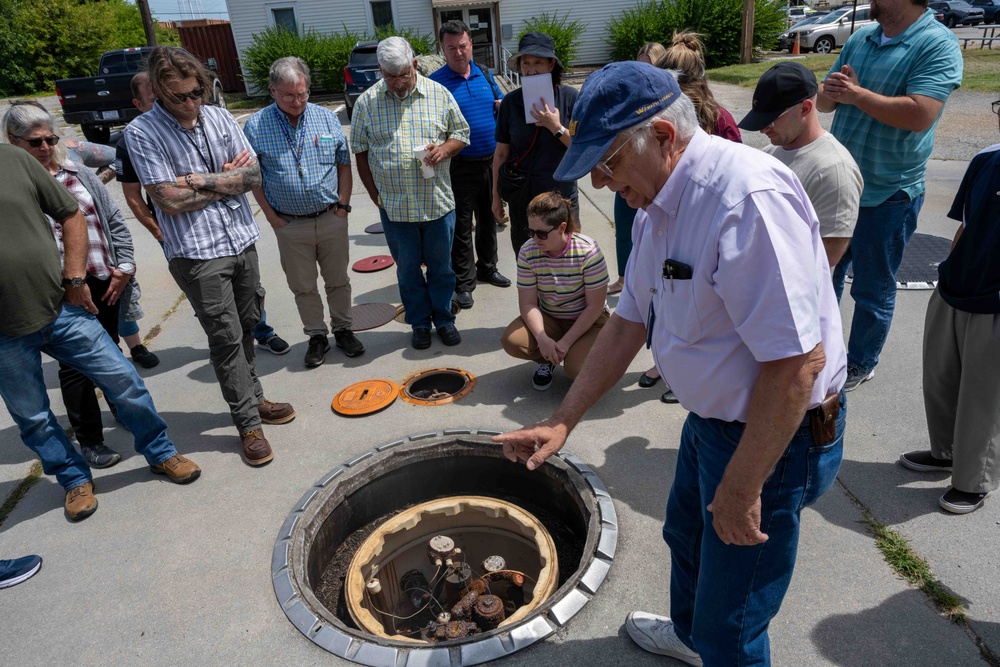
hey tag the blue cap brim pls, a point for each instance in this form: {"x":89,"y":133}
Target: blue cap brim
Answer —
{"x":581,"y":157}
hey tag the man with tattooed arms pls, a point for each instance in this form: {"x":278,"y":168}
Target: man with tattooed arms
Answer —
{"x":196,"y":165}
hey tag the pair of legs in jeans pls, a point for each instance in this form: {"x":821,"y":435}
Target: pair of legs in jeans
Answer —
{"x":723,"y":597}
{"x":426,"y":299}
{"x":76,"y":339}
{"x":876,"y":251}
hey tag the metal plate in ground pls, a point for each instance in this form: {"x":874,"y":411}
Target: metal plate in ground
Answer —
{"x":919,"y":268}
{"x":375,"y":229}
{"x":373,"y":263}
{"x":401,"y":312}
{"x":365,"y":398}
{"x":365,"y":316}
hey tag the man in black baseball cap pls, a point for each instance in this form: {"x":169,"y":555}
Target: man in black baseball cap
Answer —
{"x":782,"y":87}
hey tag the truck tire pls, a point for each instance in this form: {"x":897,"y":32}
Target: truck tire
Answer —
{"x":951,"y":21}
{"x":218,"y":99}
{"x":98,"y":134}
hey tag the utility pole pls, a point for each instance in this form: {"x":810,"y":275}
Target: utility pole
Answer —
{"x":746,"y":35}
{"x":147,"y":22}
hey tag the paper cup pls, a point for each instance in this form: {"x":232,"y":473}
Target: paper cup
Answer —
{"x":420,"y":154}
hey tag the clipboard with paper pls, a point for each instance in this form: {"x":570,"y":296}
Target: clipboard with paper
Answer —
{"x":536,"y":87}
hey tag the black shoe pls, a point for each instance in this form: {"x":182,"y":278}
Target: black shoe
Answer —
{"x":646,"y":382}
{"x":923,"y":462}
{"x":961,"y":502}
{"x":542,"y":379}
{"x":349,"y":343}
{"x":318,"y":347}
{"x":99,"y":456}
{"x":495,"y":278}
{"x":144,"y":357}
{"x":421,"y":338}
{"x":463,"y":299}
{"x":668,"y":397}
{"x":449,"y":335}
{"x":274,"y":344}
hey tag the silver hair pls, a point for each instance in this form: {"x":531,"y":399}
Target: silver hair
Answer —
{"x":680,"y":114}
{"x":289,"y":70}
{"x":23,"y":117}
{"x":394,"y":55}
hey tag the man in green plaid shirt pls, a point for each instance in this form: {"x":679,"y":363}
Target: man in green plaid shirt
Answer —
{"x":401,"y":113}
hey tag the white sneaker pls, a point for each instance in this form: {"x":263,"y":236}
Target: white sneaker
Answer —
{"x":656,"y":634}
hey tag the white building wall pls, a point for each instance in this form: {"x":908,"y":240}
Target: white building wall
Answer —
{"x":595,"y":13}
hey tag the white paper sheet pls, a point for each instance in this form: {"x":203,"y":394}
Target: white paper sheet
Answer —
{"x":535,"y":88}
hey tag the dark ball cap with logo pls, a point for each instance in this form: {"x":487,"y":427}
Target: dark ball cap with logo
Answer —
{"x":613,"y":99}
{"x":782,"y":87}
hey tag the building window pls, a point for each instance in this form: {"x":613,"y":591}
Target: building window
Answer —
{"x":382,"y":14}
{"x":284,"y":17}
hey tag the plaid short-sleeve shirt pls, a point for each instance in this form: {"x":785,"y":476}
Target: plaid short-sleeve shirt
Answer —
{"x":388,"y":129}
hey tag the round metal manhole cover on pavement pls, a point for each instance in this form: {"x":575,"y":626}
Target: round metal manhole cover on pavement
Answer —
{"x":373,"y":263}
{"x":437,"y":386}
{"x":365,"y":398}
{"x":401,"y":312}
{"x":375,"y":229}
{"x":365,"y":316}
{"x":919,"y":268}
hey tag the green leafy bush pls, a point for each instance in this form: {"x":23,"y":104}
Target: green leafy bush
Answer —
{"x":422,"y":44}
{"x":718,"y":21}
{"x":564,"y":33}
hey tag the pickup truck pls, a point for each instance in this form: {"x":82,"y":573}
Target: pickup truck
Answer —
{"x":98,"y":103}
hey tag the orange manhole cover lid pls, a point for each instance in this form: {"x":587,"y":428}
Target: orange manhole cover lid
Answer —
{"x":365,"y":398}
{"x":373,"y":263}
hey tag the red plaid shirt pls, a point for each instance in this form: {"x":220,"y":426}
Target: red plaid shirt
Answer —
{"x":98,"y":254}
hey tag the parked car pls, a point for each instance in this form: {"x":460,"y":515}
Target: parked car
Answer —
{"x":98,"y":103}
{"x":990,"y":9}
{"x":958,"y":11}
{"x":832,"y":30}
{"x":796,"y":14}
{"x":785,"y":43}
{"x":361,"y":73}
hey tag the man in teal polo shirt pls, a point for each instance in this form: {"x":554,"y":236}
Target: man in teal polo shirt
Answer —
{"x":887,"y":91}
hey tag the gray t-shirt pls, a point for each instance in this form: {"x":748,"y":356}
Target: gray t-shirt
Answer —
{"x":832,"y":180}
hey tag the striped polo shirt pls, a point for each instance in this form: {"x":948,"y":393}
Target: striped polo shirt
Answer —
{"x":388,"y":129}
{"x":162,"y":150}
{"x":922,"y":60}
{"x":562,"y":280}
{"x":475,"y":96}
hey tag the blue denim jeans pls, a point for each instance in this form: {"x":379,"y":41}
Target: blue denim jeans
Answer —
{"x":876,"y":251}
{"x":624,"y":217}
{"x":125,"y":327}
{"x":426,"y":300}
{"x":76,"y":339}
{"x":263,"y":330}
{"x":723,"y":597}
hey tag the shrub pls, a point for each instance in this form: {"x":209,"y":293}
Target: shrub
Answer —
{"x":564,"y":33}
{"x":423,"y":45}
{"x":718,"y":21}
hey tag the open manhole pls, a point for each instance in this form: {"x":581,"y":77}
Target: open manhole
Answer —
{"x":437,"y":386}
{"x":434,"y":550}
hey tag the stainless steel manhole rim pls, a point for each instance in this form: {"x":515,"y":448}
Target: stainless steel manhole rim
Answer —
{"x":290,"y":559}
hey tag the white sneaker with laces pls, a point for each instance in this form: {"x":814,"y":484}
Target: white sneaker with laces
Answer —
{"x":656,"y":634}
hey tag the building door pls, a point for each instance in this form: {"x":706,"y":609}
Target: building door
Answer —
{"x":482,"y":29}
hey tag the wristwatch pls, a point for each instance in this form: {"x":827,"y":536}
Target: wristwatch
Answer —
{"x":558,"y":135}
{"x":75,"y":282}
{"x":346,"y":207}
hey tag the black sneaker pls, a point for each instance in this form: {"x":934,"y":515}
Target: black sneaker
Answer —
{"x":100,"y":456}
{"x":421,"y":338}
{"x":923,"y":462}
{"x":349,"y":343}
{"x":857,"y":378}
{"x":449,"y":334}
{"x":275,"y":344}
{"x":960,"y":502}
{"x":542,"y":378}
{"x":318,"y":347}
{"x":144,"y":357}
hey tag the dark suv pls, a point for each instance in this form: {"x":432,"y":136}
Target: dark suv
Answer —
{"x":957,"y":11}
{"x":361,"y":73}
{"x":990,"y":9}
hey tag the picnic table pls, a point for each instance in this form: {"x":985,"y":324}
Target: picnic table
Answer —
{"x":989,"y":35}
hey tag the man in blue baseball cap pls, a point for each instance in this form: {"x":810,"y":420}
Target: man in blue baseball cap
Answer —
{"x":728,"y":283}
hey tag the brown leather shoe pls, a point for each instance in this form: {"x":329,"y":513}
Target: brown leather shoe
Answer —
{"x":256,"y":449}
{"x":179,"y":469}
{"x":80,"y":502}
{"x":275,"y":413}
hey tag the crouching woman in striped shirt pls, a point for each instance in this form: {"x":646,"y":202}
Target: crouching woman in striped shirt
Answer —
{"x":562,"y":282}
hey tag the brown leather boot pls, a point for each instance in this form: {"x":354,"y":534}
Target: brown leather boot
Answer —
{"x":256,"y":449}
{"x":275,"y":413}
{"x":178,"y":469}
{"x":80,"y":502}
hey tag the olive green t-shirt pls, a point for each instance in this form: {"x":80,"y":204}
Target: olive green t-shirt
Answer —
{"x":30,"y":273}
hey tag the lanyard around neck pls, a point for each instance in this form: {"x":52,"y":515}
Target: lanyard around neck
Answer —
{"x":299,"y":146}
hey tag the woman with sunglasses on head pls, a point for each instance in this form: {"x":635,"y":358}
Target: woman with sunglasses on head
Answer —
{"x":110,"y":264}
{"x":562,"y":282}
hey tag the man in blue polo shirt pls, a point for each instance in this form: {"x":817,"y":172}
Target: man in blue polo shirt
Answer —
{"x":478,"y":96}
{"x":887,"y":91}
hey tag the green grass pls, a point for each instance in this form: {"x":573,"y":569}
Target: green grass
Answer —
{"x":981,"y":67}
{"x":20,"y":491}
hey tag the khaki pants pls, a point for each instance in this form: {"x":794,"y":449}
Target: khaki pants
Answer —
{"x":962,"y":393}
{"x":304,"y":244}
{"x":520,"y":343}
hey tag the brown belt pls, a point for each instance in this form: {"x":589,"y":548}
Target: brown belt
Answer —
{"x":331,"y":207}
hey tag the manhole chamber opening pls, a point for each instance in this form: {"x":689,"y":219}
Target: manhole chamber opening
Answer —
{"x":437,"y":386}
{"x":399,"y":507}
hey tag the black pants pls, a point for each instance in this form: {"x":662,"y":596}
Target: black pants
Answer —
{"x":519,"y":216}
{"x":78,"y":392}
{"x":472,"y":183}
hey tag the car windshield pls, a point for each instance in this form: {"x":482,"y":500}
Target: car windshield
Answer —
{"x":809,"y":20}
{"x":120,"y":63}
{"x":364,"y":59}
{"x":961,"y":5}
{"x":833,"y":17}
